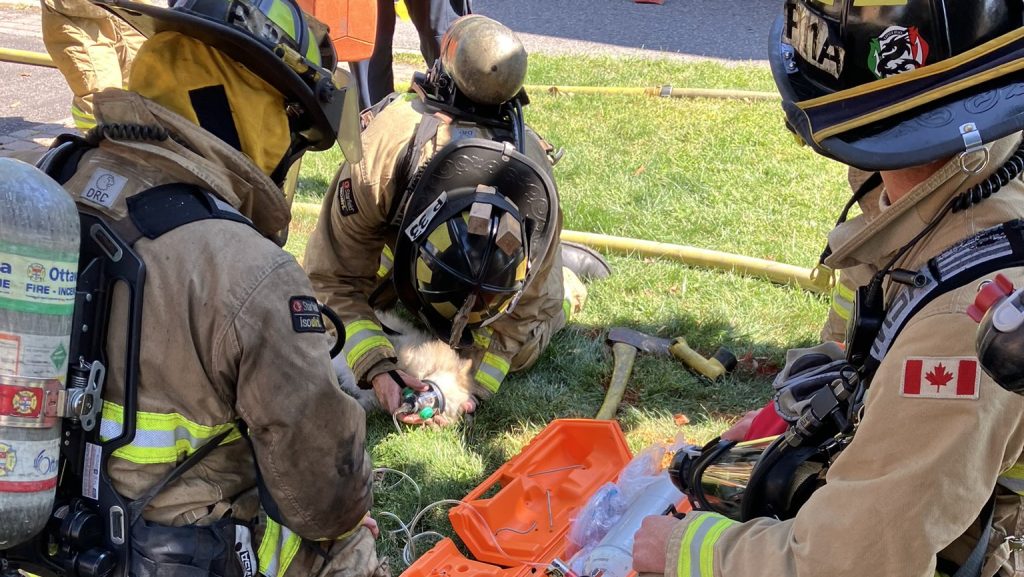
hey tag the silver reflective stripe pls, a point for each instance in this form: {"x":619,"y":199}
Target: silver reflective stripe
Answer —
{"x":1015,"y":485}
{"x":707,"y":522}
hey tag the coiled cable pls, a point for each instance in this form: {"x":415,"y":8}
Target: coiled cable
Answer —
{"x":119,"y":131}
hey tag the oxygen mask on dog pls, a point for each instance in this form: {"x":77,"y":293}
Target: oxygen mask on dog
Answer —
{"x":425,"y":404}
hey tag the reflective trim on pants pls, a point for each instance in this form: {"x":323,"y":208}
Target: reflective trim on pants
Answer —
{"x":1013,"y":479}
{"x":360,"y":338}
{"x":492,"y":372}
{"x":160,"y":437}
{"x":83,"y":120}
{"x":277,"y":549}
{"x":697,"y":549}
{"x":387,"y":262}
{"x":842,"y":301}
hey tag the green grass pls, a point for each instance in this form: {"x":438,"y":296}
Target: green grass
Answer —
{"x":715,"y":174}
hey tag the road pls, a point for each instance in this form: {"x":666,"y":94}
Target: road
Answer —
{"x":724,"y":30}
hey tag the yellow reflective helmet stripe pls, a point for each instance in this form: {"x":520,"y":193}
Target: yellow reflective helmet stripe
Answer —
{"x":360,"y":338}
{"x":697,"y":549}
{"x":282,"y":16}
{"x":440,"y":239}
{"x":277,"y":549}
{"x":492,"y":372}
{"x":160,"y":437}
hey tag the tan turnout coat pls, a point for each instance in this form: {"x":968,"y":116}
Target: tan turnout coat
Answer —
{"x":912,"y":483}
{"x":344,"y":255}
{"x":218,"y":347}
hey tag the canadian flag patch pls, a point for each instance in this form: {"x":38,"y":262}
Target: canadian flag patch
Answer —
{"x":941,"y":378}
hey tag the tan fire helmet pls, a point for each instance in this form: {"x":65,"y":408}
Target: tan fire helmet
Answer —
{"x":484,"y":58}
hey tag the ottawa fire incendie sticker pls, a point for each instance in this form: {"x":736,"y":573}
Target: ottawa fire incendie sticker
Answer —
{"x":941,"y":378}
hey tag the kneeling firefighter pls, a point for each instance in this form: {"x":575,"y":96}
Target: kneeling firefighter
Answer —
{"x":453,"y":211}
{"x":903,"y":455}
{"x":221,"y":444}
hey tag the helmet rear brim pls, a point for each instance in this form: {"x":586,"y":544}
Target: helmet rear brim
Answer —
{"x":968,"y":100}
{"x":325,"y":112}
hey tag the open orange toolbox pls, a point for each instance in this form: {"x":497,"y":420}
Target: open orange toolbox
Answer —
{"x":522,"y":527}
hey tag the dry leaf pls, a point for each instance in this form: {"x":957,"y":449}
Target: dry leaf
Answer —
{"x":640,"y":170}
{"x":681,"y":419}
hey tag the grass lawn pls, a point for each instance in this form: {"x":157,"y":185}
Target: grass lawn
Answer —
{"x":716,"y":174}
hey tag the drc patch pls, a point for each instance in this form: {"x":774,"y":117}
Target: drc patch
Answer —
{"x":306,"y":317}
{"x":346,"y":198}
{"x":104,"y":188}
{"x":941,"y":378}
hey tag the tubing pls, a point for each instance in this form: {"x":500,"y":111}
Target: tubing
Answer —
{"x":774,"y":271}
{"x":662,"y":91}
{"x":26,"y":57}
{"x":811,"y":280}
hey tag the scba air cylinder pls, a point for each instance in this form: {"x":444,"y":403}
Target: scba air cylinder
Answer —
{"x":39,"y":237}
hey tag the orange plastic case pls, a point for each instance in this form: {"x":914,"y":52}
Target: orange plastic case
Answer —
{"x":353,"y":25}
{"x":523,"y":526}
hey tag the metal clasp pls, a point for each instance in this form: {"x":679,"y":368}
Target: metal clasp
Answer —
{"x":1016,"y":543}
{"x":973,"y":144}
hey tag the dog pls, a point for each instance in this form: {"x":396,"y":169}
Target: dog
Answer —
{"x":425,"y":357}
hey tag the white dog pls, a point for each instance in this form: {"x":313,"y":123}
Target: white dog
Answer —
{"x":424,"y":357}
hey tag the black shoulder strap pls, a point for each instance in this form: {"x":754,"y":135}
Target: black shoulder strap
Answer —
{"x":409,"y":166}
{"x":987,"y":252}
{"x":159,"y":210}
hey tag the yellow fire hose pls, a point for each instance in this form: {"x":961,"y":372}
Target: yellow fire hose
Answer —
{"x":26,"y":57}
{"x":815,"y":280}
{"x":666,"y":91}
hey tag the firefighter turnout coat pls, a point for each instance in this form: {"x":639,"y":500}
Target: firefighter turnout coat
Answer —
{"x":937,"y":435}
{"x":220,"y":347}
{"x":350,"y":253}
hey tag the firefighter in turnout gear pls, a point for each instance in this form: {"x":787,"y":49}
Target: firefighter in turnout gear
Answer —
{"x":186,"y":166}
{"x":453,"y":211}
{"x":91,"y":48}
{"x":931,"y":478}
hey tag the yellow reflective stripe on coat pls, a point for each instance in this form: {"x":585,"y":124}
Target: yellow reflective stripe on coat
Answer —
{"x":697,"y":549}
{"x":1013,"y":479}
{"x":842,"y":300}
{"x":387,"y":262}
{"x":567,"y":309}
{"x":492,"y":372}
{"x":361,"y":337}
{"x":159,"y":437}
{"x":277,"y":549}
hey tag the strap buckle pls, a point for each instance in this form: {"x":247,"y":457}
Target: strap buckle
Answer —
{"x":973,"y":144}
{"x":1016,"y":543}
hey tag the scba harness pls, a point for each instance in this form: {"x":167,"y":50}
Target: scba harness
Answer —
{"x":95,"y":531}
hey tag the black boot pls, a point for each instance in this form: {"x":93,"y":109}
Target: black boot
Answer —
{"x":586,"y":262}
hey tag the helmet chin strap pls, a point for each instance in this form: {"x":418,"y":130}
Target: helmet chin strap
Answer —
{"x":461,"y":320}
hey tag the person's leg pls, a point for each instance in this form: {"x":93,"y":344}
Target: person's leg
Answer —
{"x":82,"y":48}
{"x":375,"y":77}
{"x":431,"y":19}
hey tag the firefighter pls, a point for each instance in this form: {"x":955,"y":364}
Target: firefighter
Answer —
{"x":931,"y":483}
{"x":189,"y":161}
{"x":91,"y":48}
{"x":453,"y":211}
{"x":375,"y":77}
